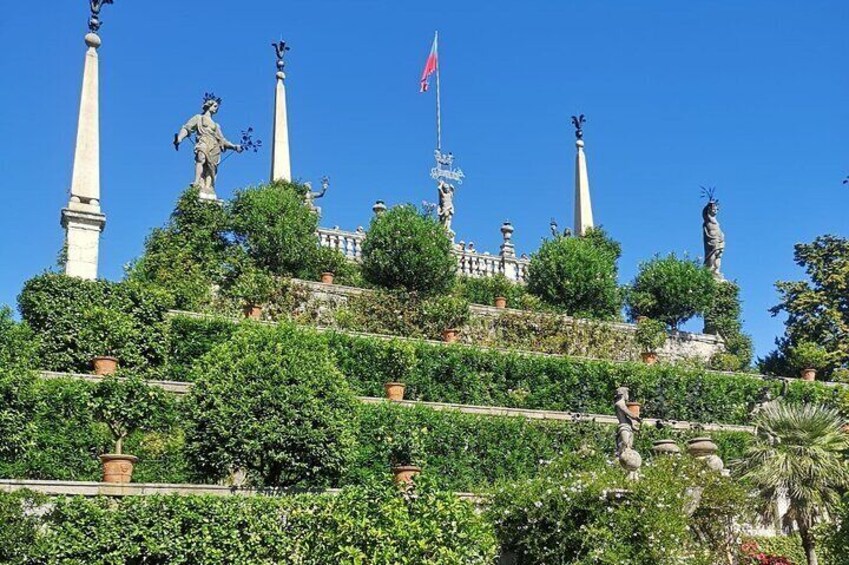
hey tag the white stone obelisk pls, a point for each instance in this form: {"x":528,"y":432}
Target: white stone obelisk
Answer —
{"x":82,"y":218}
{"x":281,"y":166}
{"x":583,"y":205}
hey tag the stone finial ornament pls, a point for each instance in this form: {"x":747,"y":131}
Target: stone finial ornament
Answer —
{"x":629,"y":424}
{"x":714,"y":239}
{"x":94,"y":22}
{"x":508,"y":249}
{"x":209,"y":142}
{"x":280,"y":49}
{"x":579,"y":121}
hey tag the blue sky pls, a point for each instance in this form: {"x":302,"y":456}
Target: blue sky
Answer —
{"x":749,"y":97}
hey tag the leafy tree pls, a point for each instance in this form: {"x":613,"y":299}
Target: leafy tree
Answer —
{"x":407,"y":250}
{"x":801,"y":455}
{"x":186,"y":256}
{"x":817,"y":310}
{"x":578,"y":275}
{"x":126,"y":405}
{"x":672,"y":290}
{"x":275,"y":227}
{"x":724,"y":318}
{"x":270,"y":401}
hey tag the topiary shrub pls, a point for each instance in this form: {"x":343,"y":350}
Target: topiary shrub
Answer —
{"x":58,"y":309}
{"x":650,"y":335}
{"x":275,"y":227}
{"x":807,"y":355}
{"x":186,"y":256}
{"x":407,"y":250}
{"x":578,"y":275}
{"x":671,"y":290}
{"x":270,"y":401}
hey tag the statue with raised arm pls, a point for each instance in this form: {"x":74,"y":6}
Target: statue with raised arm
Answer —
{"x":714,"y":239}
{"x":629,"y":423}
{"x":210,"y":143}
{"x":310,"y":197}
{"x":445,"y":210}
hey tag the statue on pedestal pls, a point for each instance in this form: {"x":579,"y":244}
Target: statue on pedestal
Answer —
{"x":310,"y":197}
{"x":445,"y":210}
{"x":714,"y":239}
{"x":210,"y":143}
{"x":629,"y":423}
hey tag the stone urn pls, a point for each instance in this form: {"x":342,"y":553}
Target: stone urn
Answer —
{"x":704,"y":449}
{"x":394,"y":391}
{"x":809,"y":375}
{"x":327,"y":277}
{"x":117,"y":467}
{"x":631,"y":461}
{"x":450,"y":335}
{"x":252,"y":311}
{"x":404,"y":474}
{"x":634,"y":407}
{"x":665,"y":447}
{"x":104,"y":365}
{"x":649,"y":357}
{"x":500,"y":302}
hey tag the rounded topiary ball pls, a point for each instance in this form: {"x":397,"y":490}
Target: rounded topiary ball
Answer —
{"x":407,"y":250}
{"x":271,"y":402}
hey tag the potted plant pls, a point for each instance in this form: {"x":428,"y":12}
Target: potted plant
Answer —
{"x":500,"y":302}
{"x":398,"y":360}
{"x":808,"y":358}
{"x":125,"y":405}
{"x":252,"y":287}
{"x":106,"y":333}
{"x":329,"y":262}
{"x":394,"y":390}
{"x":406,"y":452}
{"x":650,"y":336}
{"x":634,"y":407}
{"x":450,"y":335}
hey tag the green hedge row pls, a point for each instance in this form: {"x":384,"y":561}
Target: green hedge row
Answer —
{"x":376,"y":525}
{"x":462,"y":452}
{"x":469,"y":375}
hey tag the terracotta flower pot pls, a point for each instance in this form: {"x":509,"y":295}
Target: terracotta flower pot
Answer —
{"x":105,"y":365}
{"x":809,"y":375}
{"x":252,"y":311}
{"x":117,"y":468}
{"x":500,"y":302}
{"x":449,"y":335}
{"x":394,"y":391}
{"x":404,"y":474}
{"x":327,"y":277}
{"x":634,"y":407}
{"x":649,"y":358}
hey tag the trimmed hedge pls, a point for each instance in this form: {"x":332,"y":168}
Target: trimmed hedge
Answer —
{"x":375,"y":525}
{"x":468,"y":375}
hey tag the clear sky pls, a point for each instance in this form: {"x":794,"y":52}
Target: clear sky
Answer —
{"x":750,"y":97}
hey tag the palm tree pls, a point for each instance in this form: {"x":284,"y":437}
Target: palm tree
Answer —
{"x":800,"y":454}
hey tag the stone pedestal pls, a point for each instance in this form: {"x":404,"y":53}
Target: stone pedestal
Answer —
{"x":583,"y":204}
{"x":82,"y":241}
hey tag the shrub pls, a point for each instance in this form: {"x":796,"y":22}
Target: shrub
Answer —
{"x":275,"y":226}
{"x":270,"y":401}
{"x":650,"y":335}
{"x":186,"y":257}
{"x":577,"y":275}
{"x":56,"y":307}
{"x":724,"y":318}
{"x":671,"y":290}
{"x":18,"y":352}
{"x":108,"y":331}
{"x":21,"y":521}
{"x":329,"y":260}
{"x":807,"y":355}
{"x":407,"y":250}
{"x":250,"y":285}
{"x":484,"y":290}
{"x":126,"y":405}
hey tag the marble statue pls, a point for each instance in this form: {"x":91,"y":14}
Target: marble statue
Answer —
{"x":210,"y":143}
{"x":445,"y":210}
{"x":628,"y":425}
{"x":310,"y":197}
{"x":714,"y":239}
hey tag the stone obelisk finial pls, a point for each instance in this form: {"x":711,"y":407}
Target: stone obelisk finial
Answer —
{"x":281,"y":166}
{"x":583,"y":205}
{"x":82,"y":219}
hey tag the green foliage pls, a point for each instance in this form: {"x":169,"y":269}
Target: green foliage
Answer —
{"x":650,"y":335}
{"x":275,"y":227}
{"x":18,"y":354}
{"x":270,"y":401}
{"x":484,"y":290}
{"x":374,"y":525}
{"x":127,"y":404}
{"x":580,"y":513}
{"x":724,"y":318}
{"x":20,"y":518}
{"x":407,"y":250}
{"x":329,"y":260}
{"x":187,"y":255}
{"x":788,"y":547}
{"x":807,"y":355}
{"x":578,"y":275}
{"x":62,"y":312}
{"x":402,"y":313}
{"x":191,"y":338}
{"x":801,"y":454}
{"x":18,"y":343}
{"x":672,"y":290}
{"x":817,"y":310}
{"x":250,"y":285}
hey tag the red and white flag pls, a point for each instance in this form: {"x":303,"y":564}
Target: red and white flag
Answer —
{"x":431,"y":64}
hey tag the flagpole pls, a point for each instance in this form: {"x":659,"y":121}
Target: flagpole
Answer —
{"x":438,"y":109}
